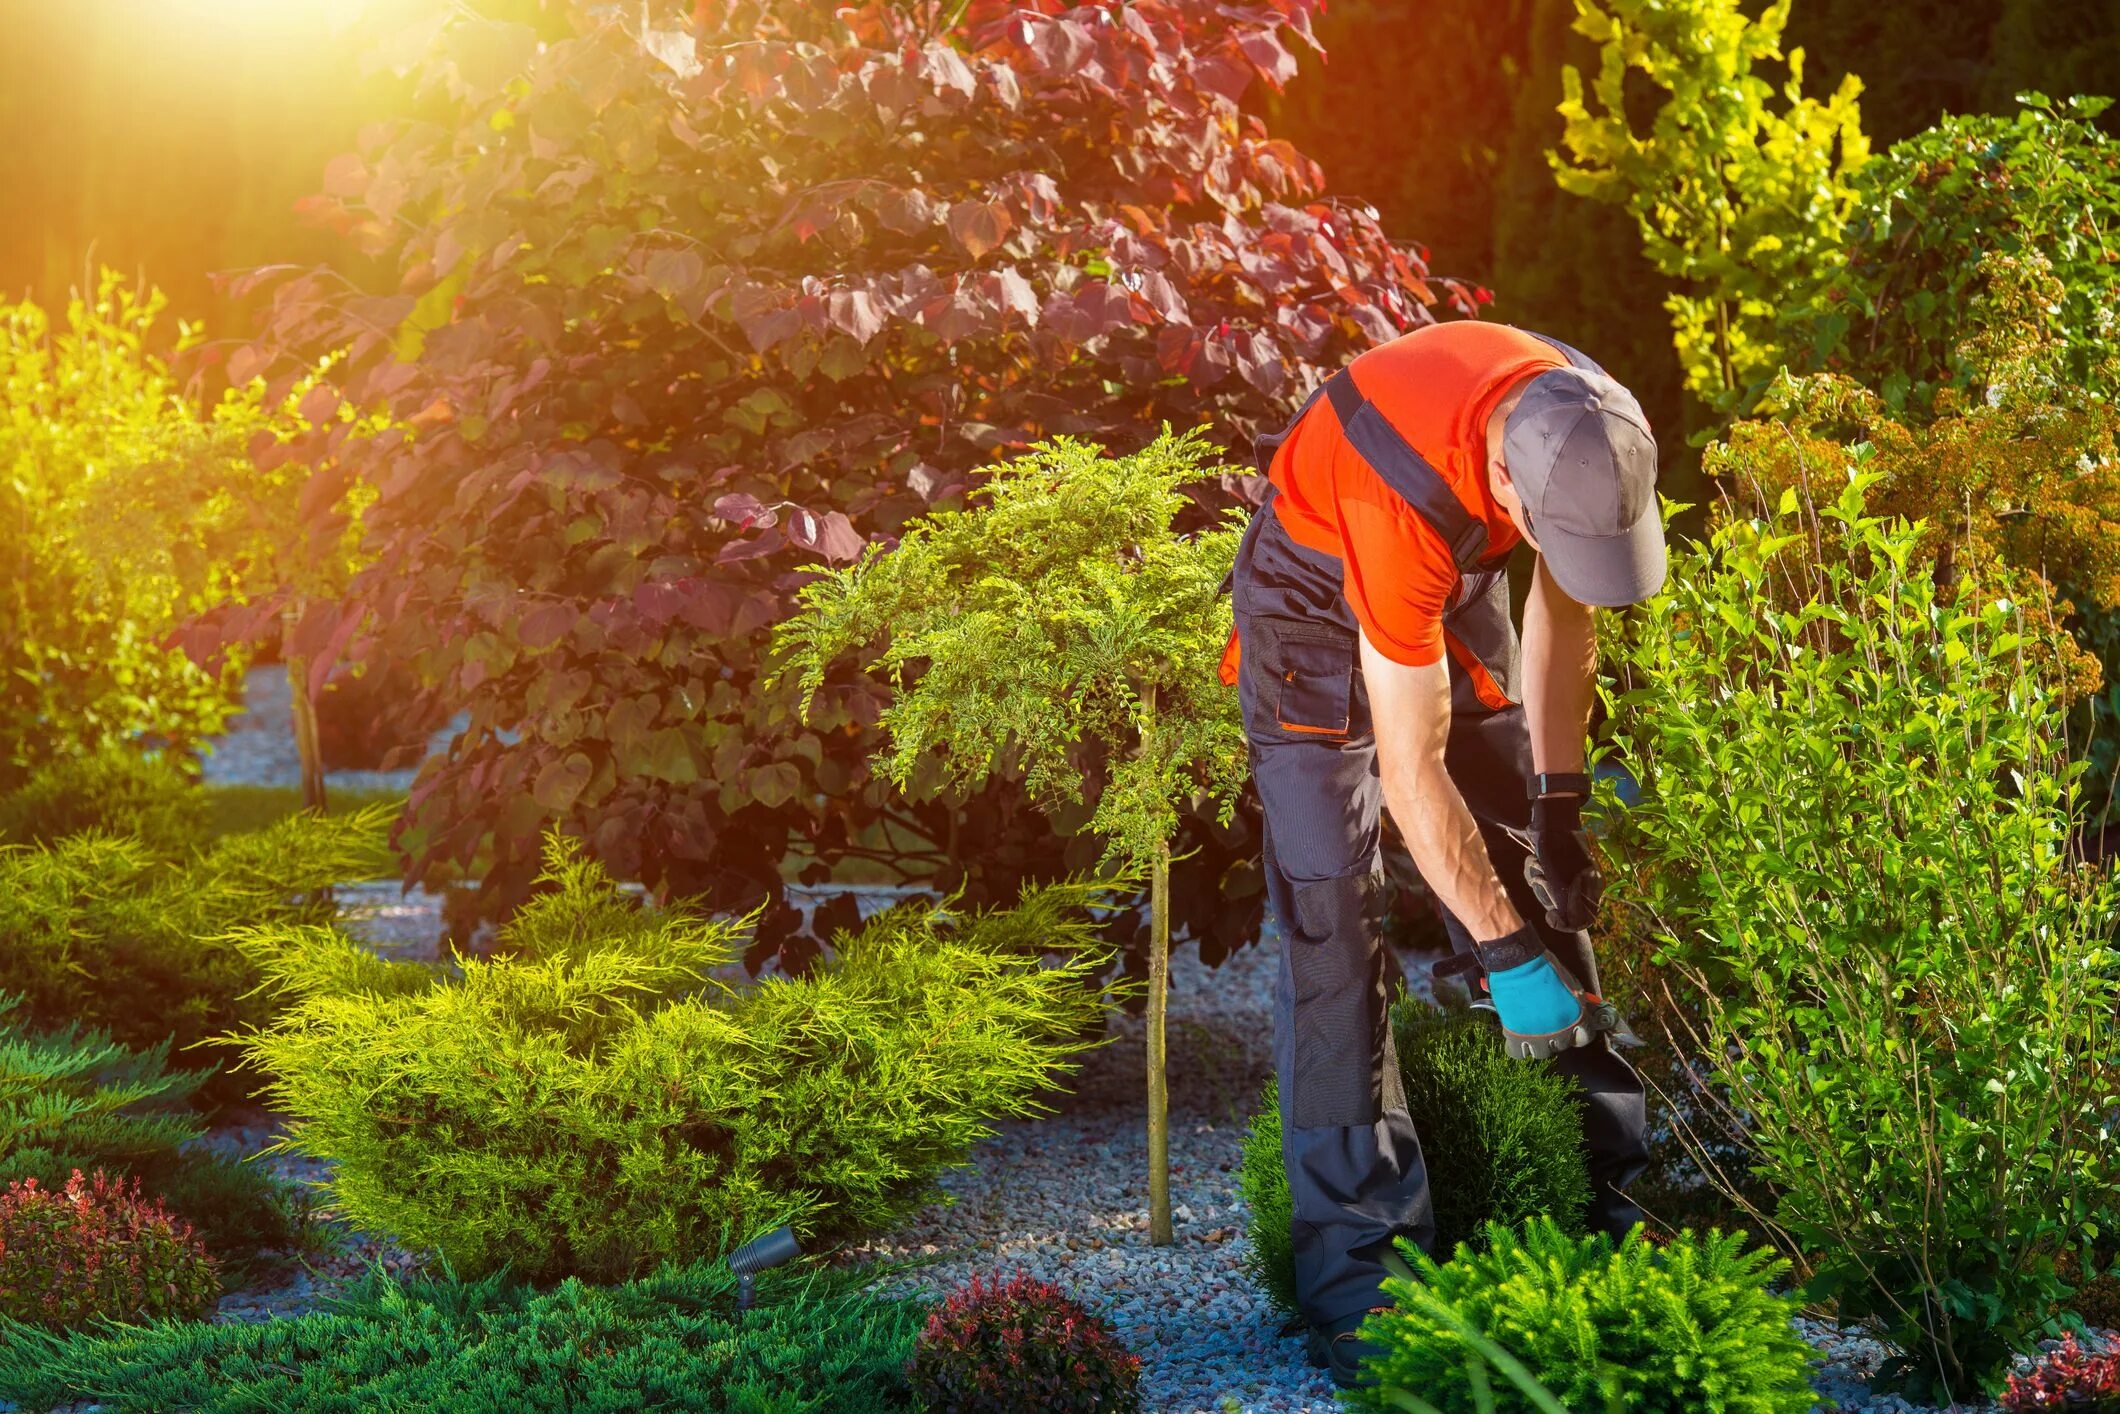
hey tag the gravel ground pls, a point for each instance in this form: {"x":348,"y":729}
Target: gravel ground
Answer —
{"x":1062,"y":1196}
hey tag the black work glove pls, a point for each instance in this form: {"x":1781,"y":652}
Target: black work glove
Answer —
{"x":1564,"y":878}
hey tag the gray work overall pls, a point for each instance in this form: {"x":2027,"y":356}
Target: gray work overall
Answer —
{"x":1354,"y":1162}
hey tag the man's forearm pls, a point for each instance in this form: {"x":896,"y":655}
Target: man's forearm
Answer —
{"x":1446,"y":846}
{"x":1560,"y":674}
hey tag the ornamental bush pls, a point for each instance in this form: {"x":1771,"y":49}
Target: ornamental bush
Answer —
{"x":1002,"y":1345}
{"x":592,"y":1099}
{"x":96,"y":1248}
{"x":96,"y":929}
{"x":1739,"y":198}
{"x":74,"y":1099}
{"x":2071,"y":1378}
{"x":817,"y":1342}
{"x":85,"y":410}
{"x":1853,"y":851}
{"x":116,"y":791}
{"x":685,"y":301}
{"x":1895,"y":312}
{"x":1502,"y":1141}
{"x":1688,"y":1327}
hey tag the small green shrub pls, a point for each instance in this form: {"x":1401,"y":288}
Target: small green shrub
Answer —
{"x":1687,"y":1328}
{"x":96,"y":930}
{"x":817,"y":1343}
{"x":96,"y":1248}
{"x":1269,"y":1212}
{"x":1502,"y":1141}
{"x":116,"y":791}
{"x":74,"y":1099}
{"x":1853,"y":847}
{"x":996,"y":1347}
{"x":588,"y":1102}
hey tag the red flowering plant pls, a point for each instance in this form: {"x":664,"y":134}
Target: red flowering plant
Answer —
{"x":689,"y":300}
{"x":97,"y":1249}
{"x":2072,"y":1378}
{"x":995,"y":1347}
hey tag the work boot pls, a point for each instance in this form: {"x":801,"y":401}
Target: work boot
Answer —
{"x":1336,"y":1347}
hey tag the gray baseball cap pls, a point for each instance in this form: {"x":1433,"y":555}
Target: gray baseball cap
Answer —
{"x":1579,"y":450}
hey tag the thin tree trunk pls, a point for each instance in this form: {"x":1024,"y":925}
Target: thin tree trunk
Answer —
{"x":304,"y":711}
{"x":1159,"y":1232}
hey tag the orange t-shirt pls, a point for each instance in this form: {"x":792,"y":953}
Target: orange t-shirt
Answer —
{"x":1437,"y":386}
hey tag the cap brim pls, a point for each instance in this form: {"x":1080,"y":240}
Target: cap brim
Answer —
{"x":1609,"y":571}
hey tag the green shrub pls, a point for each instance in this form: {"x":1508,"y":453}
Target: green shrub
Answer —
{"x":1686,"y":1328}
{"x":817,"y":1343}
{"x":74,"y":1099}
{"x":90,"y":420}
{"x":116,"y":791}
{"x":1853,"y":846}
{"x":95,"y":929}
{"x":96,"y":1248}
{"x":1502,"y":1141}
{"x":996,"y":1347}
{"x":1894,"y":312}
{"x":589,"y":1102}
{"x":1269,"y":1212}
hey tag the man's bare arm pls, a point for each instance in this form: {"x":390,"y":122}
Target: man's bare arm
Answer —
{"x":1560,"y":674}
{"x":1410,"y":708}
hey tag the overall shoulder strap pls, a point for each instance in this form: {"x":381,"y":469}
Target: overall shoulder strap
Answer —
{"x":1573,"y":355}
{"x":1407,"y":472}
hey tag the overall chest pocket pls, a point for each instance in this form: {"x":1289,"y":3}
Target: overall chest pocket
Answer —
{"x":1314,"y":691}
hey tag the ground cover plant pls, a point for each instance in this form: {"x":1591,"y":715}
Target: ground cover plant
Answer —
{"x":1502,"y":1140}
{"x":592,"y":1099}
{"x":96,"y":1248}
{"x":1000,"y":1345}
{"x":1688,"y":1327}
{"x":1063,"y":628}
{"x":97,"y":929}
{"x":719,"y":293}
{"x":1853,"y":844}
{"x":75,"y":1099}
{"x":817,"y":1343}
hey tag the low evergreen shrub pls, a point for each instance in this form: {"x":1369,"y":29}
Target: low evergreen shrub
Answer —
{"x":96,"y":1248}
{"x":591,"y":1100}
{"x":1686,"y":1328}
{"x":1269,"y":1212}
{"x":1502,"y":1141}
{"x":997,"y":1347}
{"x":818,"y":1342}
{"x":98,"y":930}
{"x":75,"y":1099}
{"x":2071,"y":1378}
{"x":115,"y":791}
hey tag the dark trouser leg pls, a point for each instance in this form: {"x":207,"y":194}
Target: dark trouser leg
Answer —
{"x":1489,"y":758}
{"x":1354,"y":1166}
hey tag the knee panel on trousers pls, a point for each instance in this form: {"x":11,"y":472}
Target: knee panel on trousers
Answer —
{"x":1342,"y":1059}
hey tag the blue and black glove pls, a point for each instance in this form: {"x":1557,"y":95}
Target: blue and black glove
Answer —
{"x":1542,"y":1007}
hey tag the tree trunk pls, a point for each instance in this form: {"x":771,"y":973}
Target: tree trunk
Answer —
{"x":304,"y":710}
{"x":1159,"y":1232}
